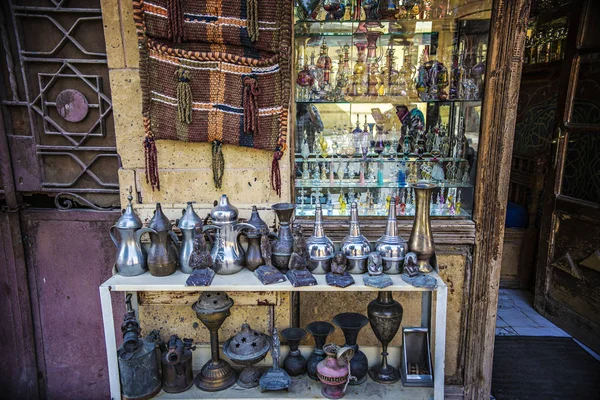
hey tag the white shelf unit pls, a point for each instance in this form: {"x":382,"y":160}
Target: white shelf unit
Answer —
{"x":245,"y":281}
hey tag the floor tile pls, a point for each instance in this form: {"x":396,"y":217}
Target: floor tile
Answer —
{"x":526,"y":331}
{"x":559,"y":332}
{"x":500,"y":323}
{"x":508,"y":331}
{"x":505,"y":302}
{"x":515,"y":318}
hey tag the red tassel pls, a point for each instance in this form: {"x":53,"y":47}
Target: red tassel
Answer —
{"x":151,"y":155}
{"x":251,"y":92}
{"x":276,"y":173}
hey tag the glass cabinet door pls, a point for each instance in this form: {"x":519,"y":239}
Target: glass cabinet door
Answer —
{"x":388,"y":93}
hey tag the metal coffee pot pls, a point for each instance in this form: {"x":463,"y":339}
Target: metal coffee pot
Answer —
{"x":131,"y":256}
{"x":253,"y":254}
{"x":187,"y":224}
{"x":227,"y":252}
{"x":162,"y":254}
{"x":355,"y":246}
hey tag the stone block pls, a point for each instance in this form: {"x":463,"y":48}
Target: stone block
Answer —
{"x":111,"y":19}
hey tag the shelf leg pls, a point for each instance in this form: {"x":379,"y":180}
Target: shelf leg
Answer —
{"x":440,"y":342}
{"x":426,"y":309}
{"x":110,"y":342}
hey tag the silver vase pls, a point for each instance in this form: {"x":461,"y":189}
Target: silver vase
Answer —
{"x":391,"y":246}
{"x":320,"y":247}
{"x":355,"y":246}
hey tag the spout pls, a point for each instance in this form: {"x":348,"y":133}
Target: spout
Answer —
{"x":113,"y":236}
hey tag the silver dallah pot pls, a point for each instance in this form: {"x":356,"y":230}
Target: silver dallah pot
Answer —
{"x":355,"y":246}
{"x":227,"y":252}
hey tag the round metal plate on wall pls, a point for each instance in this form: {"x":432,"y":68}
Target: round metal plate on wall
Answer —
{"x":72,"y":105}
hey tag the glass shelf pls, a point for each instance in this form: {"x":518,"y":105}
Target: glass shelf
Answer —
{"x":309,"y":211}
{"x":300,"y":183}
{"x":357,"y":158}
{"x":413,"y":84}
{"x":384,"y":100}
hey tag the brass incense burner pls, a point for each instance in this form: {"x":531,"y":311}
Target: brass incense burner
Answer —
{"x":212,"y":308}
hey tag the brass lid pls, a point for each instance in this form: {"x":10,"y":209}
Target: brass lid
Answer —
{"x":212,"y":302}
{"x":247,"y":345}
{"x":159,"y":222}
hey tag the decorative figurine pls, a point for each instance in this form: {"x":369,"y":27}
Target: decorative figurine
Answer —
{"x":319,"y":331}
{"x":294,"y":363}
{"x":275,"y":378}
{"x":338,"y":276}
{"x":385,"y":316}
{"x":201,"y":261}
{"x":297,"y":273}
{"x":267,"y":273}
{"x":375,"y":276}
{"x":177,"y":374}
{"x":413,"y":276}
{"x":131,"y":255}
{"x":334,"y":371}
{"x":351,"y":323}
{"x":138,"y":359}
{"x":212,"y":308}
{"x":247,"y":348}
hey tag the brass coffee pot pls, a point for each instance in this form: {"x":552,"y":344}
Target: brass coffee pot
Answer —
{"x":162,"y":254}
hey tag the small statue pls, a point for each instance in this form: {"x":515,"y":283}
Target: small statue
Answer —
{"x":413,"y":276}
{"x":410,"y":265}
{"x":267,"y":273}
{"x":275,"y":378}
{"x":201,"y":261}
{"x":375,"y":276}
{"x":297,"y":272}
{"x":338,"y":276}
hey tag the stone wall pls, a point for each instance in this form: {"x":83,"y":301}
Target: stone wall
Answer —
{"x":186,"y":175}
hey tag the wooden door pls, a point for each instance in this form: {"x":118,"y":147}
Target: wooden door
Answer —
{"x":568,"y":273}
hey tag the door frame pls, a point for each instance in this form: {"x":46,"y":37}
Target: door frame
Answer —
{"x":503,"y":79}
{"x":20,"y":321}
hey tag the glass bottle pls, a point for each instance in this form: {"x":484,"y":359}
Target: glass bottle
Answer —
{"x":324,"y":64}
{"x":358,"y":73}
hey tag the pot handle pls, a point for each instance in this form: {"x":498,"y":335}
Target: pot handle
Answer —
{"x":113,"y":236}
{"x":174,"y":238}
{"x":240,"y":227}
{"x":140,"y":232}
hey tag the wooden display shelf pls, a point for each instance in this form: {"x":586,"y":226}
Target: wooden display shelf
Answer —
{"x":243,"y":281}
{"x":302,"y":388}
{"x":305,"y":388}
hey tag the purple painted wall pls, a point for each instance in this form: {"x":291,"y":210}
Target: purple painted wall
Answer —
{"x":69,"y":254}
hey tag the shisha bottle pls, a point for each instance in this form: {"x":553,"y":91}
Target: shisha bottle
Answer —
{"x":372,"y":63}
{"x":358,"y":74}
{"x":324,"y":64}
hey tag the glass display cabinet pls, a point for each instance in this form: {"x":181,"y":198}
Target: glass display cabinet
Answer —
{"x":387,"y":93}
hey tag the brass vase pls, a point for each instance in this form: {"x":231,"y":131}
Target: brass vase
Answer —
{"x":212,"y":308}
{"x":421,"y":239}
